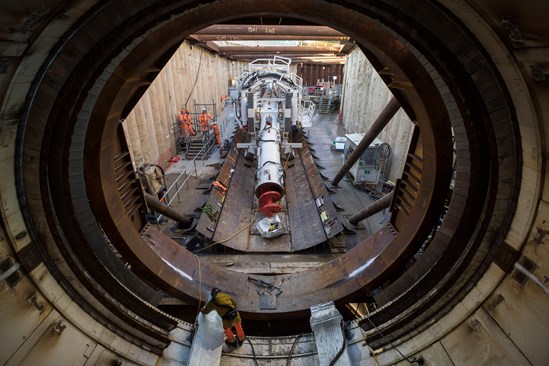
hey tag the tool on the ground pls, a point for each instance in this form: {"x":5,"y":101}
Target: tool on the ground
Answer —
{"x":220,"y":186}
{"x":267,"y":285}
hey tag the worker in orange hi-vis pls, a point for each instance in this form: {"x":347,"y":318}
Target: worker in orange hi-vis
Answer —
{"x":215,"y":129}
{"x":181,"y":120}
{"x":225,"y":307}
{"x":204,"y":117}
{"x":187,"y":118}
{"x":186,"y":124}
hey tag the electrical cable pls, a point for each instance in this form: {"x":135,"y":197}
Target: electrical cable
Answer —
{"x":361,"y":191}
{"x":199,"y":285}
{"x":196,"y":79}
{"x":385,"y":217}
{"x":367,"y":345}
{"x":388,"y":340}
{"x":288,"y":360}
{"x":229,"y":238}
{"x":236,"y":110}
{"x":253,"y":351}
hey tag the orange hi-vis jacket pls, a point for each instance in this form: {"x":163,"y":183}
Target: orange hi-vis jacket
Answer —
{"x":203,"y":118}
{"x":215,"y":129}
{"x":185,"y":123}
{"x":223,"y":303}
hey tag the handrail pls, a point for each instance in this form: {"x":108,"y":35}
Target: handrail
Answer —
{"x":276,"y":63}
{"x":184,"y":172}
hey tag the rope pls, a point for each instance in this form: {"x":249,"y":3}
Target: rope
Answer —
{"x":229,"y":238}
{"x":388,"y":340}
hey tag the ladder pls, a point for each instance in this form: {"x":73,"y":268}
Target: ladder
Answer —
{"x":324,"y":104}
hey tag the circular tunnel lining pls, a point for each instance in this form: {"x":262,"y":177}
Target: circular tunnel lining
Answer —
{"x":90,"y":83}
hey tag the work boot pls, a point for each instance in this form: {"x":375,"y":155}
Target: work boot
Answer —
{"x":232,"y":344}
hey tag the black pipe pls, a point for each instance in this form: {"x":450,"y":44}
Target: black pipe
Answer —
{"x":390,"y":110}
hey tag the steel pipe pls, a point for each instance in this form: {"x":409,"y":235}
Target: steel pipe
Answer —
{"x":390,"y":110}
{"x":160,"y":207}
{"x":374,"y":208}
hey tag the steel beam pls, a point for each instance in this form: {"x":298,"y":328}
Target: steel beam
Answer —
{"x":292,"y":55}
{"x":392,"y":107}
{"x":275,"y":49}
{"x":278,"y":30}
{"x":264,"y":37}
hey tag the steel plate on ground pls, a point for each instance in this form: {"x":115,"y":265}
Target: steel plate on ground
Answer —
{"x":236,"y":214}
{"x":324,"y":205}
{"x":206,"y":225}
{"x":305,"y":226}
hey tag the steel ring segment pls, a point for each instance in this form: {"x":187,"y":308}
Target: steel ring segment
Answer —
{"x":330,"y":281}
{"x":338,"y":279}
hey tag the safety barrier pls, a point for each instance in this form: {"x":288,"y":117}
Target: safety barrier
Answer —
{"x":177,"y":185}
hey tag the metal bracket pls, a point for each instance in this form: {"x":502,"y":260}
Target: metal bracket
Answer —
{"x":58,"y":327}
{"x":494,"y":303}
{"x":268,"y":295}
{"x":244,"y":145}
{"x":474,"y":324}
{"x":515,"y":34}
{"x":293,"y":145}
{"x":34,"y":301}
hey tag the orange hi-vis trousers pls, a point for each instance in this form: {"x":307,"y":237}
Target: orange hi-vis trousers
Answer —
{"x":239,"y":333}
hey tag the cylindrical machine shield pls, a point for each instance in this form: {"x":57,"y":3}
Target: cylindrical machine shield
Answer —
{"x":243,"y":107}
